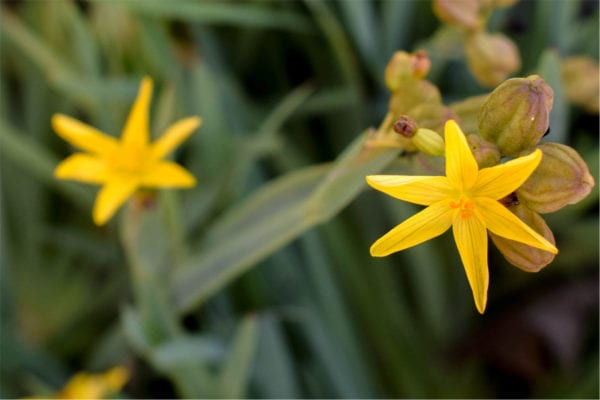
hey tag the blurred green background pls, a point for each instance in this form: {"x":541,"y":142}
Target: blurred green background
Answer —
{"x":281,"y":307}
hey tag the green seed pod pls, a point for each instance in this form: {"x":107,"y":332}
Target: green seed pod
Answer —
{"x":429,"y":142}
{"x":516,"y":114}
{"x":486,"y":153}
{"x":561,"y":178}
{"x":520,"y":255}
{"x":491,"y":57}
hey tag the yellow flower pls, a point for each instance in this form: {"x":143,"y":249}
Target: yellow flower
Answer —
{"x":123,"y":166}
{"x":94,"y":386}
{"x":466,"y":199}
{"x":84,"y":385}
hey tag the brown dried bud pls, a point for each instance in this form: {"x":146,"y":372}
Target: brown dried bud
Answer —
{"x":581,"y":77}
{"x":405,"y":126}
{"x":561,"y":178}
{"x":520,"y":255}
{"x":491,"y":57}
{"x":464,"y":13}
{"x":486,"y":153}
{"x":516,"y":114}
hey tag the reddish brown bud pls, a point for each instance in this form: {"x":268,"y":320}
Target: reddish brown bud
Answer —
{"x":405,"y":126}
{"x":520,"y":255}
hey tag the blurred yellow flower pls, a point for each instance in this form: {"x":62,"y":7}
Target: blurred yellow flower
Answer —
{"x":84,"y":385}
{"x":123,"y":166}
{"x":466,"y":199}
{"x":95,"y":386}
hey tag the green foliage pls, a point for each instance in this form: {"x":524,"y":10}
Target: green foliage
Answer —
{"x":258,"y":282}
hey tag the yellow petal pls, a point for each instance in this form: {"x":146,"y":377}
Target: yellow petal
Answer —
{"x":136,"y":131}
{"x":471,"y":240}
{"x":501,"y":180}
{"x":168,"y":174}
{"x":84,"y":168}
{"x":174,"y":136}
{"x":83,"y":136}
{"x":502,"y":222}
{"x":112,"y":195}
{"x":423,"y":190}
{"x":461,"y":167}
{"x":425,"y":225}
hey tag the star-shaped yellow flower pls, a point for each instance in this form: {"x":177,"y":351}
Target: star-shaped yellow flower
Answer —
{"x":123,"y":166}
{"x":466,"y":199}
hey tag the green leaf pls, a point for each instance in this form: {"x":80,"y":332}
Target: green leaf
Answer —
{"x":187,"y":350}
{"x":34,"y":159}
{"x":246,"y":15}
{"x":274,"y":368}
{"x":549,"y":69}
{"x":238,"y":365}
{"x":265,"y":222}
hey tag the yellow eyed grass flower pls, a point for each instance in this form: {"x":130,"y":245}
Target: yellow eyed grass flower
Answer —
{"x":84,"y":385}
{"x":125,"y":165}
{"x":95,"y":386}
{"x":467,"y":199}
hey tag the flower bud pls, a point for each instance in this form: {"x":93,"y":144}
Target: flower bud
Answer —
{"x":413,"y":94}
{"x":520,"y":255}
{"x":516,"y":114}
{"x":404,"y":67}
{"x":491,"y":57}
{"x":581,"y":77}
{"x":429,"y":142}
{"x":561,"y":178}
{"x":463,"y":13}
{"x":486,"y":153}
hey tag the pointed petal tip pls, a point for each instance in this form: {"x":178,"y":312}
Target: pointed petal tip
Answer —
{"x":99,"y":219}
{"x":147,"y":82}
{"x":481,"y":303}
{"x":375,"y":252}
{"x":451,"y":124}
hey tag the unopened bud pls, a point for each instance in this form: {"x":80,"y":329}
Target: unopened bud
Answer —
{"x":491,"y":57}
{"x":486,"y":153}
{"x":516,"y":114}
{"x":581,"y":77}
{"x":463,"y":13}
{"x":405,"y":126}
{"x":413,"y":94}
{"x":429,"y":142}
{"x":520,"y":255}
{"x":561,"y":178}
{"x":404,"y":67}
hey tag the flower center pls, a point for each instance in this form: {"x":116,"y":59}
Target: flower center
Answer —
{"x":129,"y":161}
{"x":465,"y":207}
